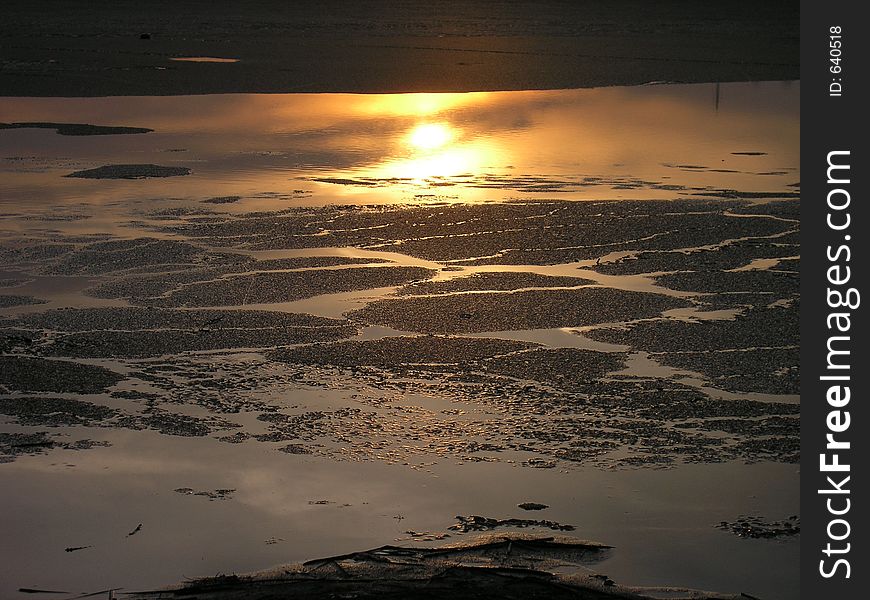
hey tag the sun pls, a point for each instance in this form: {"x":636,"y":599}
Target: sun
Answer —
{"x":428,"y":136}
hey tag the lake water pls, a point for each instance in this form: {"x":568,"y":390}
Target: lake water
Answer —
{"x":398,"y":202}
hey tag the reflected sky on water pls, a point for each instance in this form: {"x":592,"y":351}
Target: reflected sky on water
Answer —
{"x":659,"y":141}
{"x":280,"y":151}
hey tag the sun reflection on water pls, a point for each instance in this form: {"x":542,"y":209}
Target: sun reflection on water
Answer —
{"x":597,"y":144}
{"x":433,"y":150}
{"x":428,"y":136}
{"x":420,"y":105}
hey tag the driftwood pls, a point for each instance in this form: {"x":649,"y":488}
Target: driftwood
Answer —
{"x":521,"y":567}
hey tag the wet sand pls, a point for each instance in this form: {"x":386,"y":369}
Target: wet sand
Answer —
{"x":377,"y":46}
{"x":207,"y":343}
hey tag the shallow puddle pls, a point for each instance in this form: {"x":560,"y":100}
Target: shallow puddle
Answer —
{"x":275,"y":514}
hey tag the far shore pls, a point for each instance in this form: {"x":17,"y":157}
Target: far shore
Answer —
{"x":124,"y":48}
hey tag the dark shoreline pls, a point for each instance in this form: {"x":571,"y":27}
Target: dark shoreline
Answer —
{"x":96,"y":49}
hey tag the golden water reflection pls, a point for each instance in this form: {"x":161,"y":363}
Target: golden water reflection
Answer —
{"x":634,"y":142}
{"x":429,"y":136}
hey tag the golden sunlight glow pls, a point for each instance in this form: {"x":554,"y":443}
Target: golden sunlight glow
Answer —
{"x":429,"y":136}
{"x":420,"y":105}
{"x":442,"y":164}
{"x":434,"y":151}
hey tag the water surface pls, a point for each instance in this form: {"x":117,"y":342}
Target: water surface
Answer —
{"x":655,"y":399}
